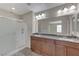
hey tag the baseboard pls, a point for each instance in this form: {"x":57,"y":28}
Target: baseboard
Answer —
{"x":15,"y":51}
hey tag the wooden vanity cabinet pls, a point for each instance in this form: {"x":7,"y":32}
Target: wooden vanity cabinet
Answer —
{"x":67,"y":48}
{"x":43,"y":46}
{"x":51,"y":47}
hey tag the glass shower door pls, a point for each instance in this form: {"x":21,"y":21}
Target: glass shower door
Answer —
{"x":21,"y":34}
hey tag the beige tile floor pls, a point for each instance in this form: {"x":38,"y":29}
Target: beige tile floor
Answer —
{"x":26,"y":52}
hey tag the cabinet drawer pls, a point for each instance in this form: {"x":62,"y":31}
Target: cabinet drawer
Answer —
{"x":66,"y":43}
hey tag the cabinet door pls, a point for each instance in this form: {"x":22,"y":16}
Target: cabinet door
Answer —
{"x":44,"y":50}
{"x":51,"y":45}
{"x":72,"y":51}
{"x":51,"y":50}
{"x":48,"y":47}
{"x":39,"y":45}
{"x":35,"y":45}
{"x":60,"y":50}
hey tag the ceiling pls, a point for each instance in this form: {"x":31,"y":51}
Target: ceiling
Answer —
{"x":22,"y":8}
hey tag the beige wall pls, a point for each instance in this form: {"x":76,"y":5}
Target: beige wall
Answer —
{"x":27,"y":18}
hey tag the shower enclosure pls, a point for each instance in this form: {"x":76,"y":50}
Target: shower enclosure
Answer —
{"x":12,"y":35}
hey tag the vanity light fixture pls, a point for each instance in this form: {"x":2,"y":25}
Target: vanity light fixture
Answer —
{"x":66,"y":10}
{"x":72,"y":7}
{"x":41,"y":16}
{"x":38,"y":17}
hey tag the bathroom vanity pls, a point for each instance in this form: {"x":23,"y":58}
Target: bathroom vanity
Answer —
{"x":54,"y":46}
{"x":63,"y":23}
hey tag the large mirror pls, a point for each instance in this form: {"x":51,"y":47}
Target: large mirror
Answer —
{"x":56,"y":25}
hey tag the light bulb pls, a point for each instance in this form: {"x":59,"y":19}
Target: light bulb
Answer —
{"x":72,"y":7}
{"x":39,"y":16}
{"x":13,"y":8}
{"x":65,"y":10}
{"x":43,"y":15}
{"x":36,"y":16}
{"x":78,"y":20}
{"x":59,"y":11}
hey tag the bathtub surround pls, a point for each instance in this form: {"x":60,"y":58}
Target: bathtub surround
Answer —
{"x":12,"y":35}
{"x":7,"y":35}
{"x":11,"y":38}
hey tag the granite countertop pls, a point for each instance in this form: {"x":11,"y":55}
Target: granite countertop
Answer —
{"x":75,"y":40}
